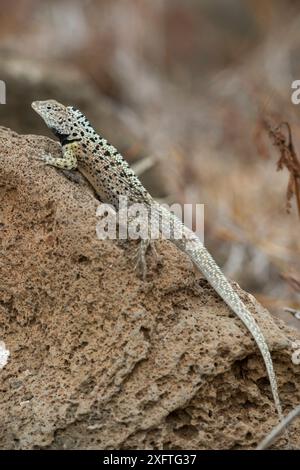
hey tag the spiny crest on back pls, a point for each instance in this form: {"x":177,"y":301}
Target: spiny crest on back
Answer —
{"x":78,"y":120}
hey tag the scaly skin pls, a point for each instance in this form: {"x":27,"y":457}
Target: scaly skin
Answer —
{"x":111,"y":176}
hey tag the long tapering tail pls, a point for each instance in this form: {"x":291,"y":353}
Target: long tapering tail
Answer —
{"x":190,"y":244}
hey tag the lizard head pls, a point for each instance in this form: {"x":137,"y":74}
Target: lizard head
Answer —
{"x":66,"y":122}
{"x":55,"y":115}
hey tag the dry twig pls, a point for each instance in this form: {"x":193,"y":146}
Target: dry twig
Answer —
{"x":267,"y":441}
{"x":288,"y":159}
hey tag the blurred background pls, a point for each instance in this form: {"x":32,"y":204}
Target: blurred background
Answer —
{"x":200,"y":87}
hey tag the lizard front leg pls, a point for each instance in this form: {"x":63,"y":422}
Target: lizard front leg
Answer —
{"x":67,"y":162}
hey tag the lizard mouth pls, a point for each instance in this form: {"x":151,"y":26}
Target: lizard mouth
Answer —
{"x":36,"y":106}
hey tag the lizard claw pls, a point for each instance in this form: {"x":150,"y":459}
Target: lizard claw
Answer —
{"x":139,"y":257}
{"x":140,"y":265}
{"x":43,"y":158}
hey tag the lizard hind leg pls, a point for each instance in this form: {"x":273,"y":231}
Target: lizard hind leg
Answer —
{"x":140,"y":256}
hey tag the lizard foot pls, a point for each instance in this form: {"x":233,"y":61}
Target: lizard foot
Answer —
{"x":140,"y":257}
{"x":67,"y":162}
{"x":42,"y":158}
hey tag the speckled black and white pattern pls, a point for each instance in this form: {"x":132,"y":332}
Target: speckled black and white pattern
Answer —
{"x":99,"y":161}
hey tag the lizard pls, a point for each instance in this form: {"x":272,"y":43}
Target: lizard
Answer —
{"x":111,"y":176}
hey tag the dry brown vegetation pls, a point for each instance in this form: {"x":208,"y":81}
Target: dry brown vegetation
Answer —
{"x":288,"y":159}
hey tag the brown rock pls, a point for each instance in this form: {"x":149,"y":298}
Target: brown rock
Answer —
{"x":99,"y":359}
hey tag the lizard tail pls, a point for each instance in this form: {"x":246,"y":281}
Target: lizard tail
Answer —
{"x":190,"y":244}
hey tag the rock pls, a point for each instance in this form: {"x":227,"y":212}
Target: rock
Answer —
{"x":98,"y":359}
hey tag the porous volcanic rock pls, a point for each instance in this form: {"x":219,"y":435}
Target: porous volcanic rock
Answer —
{"x":99,"y":359}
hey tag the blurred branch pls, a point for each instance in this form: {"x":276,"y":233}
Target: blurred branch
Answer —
{"x":143,"y":165}
{"x":292,"y":280}
{"x":293,"y":311}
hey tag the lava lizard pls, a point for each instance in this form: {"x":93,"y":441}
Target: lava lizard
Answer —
{"x":111,"y":176}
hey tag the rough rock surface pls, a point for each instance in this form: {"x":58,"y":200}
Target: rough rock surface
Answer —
{"x":99,"y":359}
